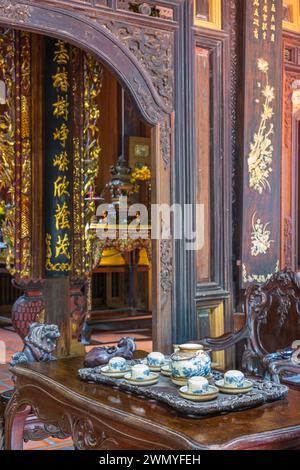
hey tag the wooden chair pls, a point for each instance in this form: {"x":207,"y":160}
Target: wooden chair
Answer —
{"x":2,"y":409}
{"x":271,"y":331}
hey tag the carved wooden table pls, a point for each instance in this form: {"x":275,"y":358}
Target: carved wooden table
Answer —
{"x":100,"y":417}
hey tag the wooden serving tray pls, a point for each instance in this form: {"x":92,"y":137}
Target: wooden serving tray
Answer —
{"x":166,"y":392}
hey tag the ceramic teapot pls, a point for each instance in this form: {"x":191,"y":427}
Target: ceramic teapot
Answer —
{"x":190,"y":360}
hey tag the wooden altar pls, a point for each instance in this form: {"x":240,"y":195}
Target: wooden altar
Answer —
{"x":130,"y":252}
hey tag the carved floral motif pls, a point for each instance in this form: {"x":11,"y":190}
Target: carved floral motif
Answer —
{"x":154,"y":50}
{"x":260,"y":237}
{"x":259,"y":278}
{"x":15,"y":11}
{"x":166,"y":269}
{"x":145,"y":101}
{"x":86,"y":437}
{"x":288,"y":242}
{"x":7,"y":142}
{"x":93,"y":73}
{"x":165,"y":143}
{"x":261,"y":149}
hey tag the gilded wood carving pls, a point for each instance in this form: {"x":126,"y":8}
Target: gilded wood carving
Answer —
{"x":7,"y":142}
{"x":23,"y":145}
{"x":15,"y":150}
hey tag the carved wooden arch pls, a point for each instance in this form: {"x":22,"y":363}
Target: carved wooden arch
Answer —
{"x":142,"y":59}
{"x":95,"y":38}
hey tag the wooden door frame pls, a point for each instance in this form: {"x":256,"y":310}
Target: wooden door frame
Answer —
{"x":77,"y":28}
{"x":291,"y":83}
{"x":295,"y":183}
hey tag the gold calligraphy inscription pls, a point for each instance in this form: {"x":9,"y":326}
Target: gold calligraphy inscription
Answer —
{"x":264,"y":20}
{"x":61,"y":187}
{"x":61,"y":134}
{"x":61,"y":108}
{"x":62,"y":246}
{"x":62,"y":215}
{"x":61,"y":161}
{"x":61,"y":80}
{"x":57,"y":267}
{"x":261,"y":149}
{"x":61,"y":55}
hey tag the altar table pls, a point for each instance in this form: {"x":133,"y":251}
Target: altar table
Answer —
{"x":101,"y":417}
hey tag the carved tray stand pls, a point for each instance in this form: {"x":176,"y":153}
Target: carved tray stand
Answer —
{"x":166,"y":392}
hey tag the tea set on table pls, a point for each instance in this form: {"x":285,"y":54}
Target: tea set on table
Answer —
{"x":189,"y":368}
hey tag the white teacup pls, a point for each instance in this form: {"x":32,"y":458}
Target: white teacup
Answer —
{"x":234,"y":379}
{"x":155,"y":359}
{"x":140,"y":372}
{"x":198,"y":385}
{"x":117,"y":364}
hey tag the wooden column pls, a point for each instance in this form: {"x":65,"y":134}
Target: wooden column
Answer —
{"x":58,"y":311}
{"x":261,"y":140}
{"x":59,"y":294}
{"x":38,"y":236}
{"x":162,"y":248}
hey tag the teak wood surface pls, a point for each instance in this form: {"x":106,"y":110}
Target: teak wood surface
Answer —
{"x":100,"y":417}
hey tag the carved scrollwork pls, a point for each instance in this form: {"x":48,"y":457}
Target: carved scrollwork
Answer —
{"x":165,"y":143}
{"x":7,"y":143}
{"x":145,"y":101}
{"x":14,"y":10}
{"x":155,"y":52}
{"x":288,"y":241}
{"x":1,"y":430}
{"x":277,"y":304}
{"x":166,"y":271}
{"x":38,"y":432}
{"x":86,"y":438}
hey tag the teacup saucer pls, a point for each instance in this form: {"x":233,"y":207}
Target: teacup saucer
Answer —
{"x":234,"y":390}
{"x":166,"y":371}
{"x":155,"y":368}
{"x":153,"y":379}
{"x":181,"y":381}
{"x":115,"y":375}
{"x":152,"y":368}
{"x":211,"y":394}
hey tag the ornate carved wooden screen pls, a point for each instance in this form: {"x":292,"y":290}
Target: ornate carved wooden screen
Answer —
{"x":16,"y":152}
{"x":262,"y":140}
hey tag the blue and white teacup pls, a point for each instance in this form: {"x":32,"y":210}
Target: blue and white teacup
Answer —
{"x":234,"y":379}
{"x":117,"y":364}
{"x":155,"y":359}
{"x":198,"y":385}
{"x":140,"y":372}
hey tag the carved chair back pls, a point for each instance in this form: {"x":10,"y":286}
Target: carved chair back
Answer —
{"x":273,"y":313}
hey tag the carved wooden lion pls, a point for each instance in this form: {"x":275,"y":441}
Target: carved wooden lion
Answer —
{"x":40,"y":343}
